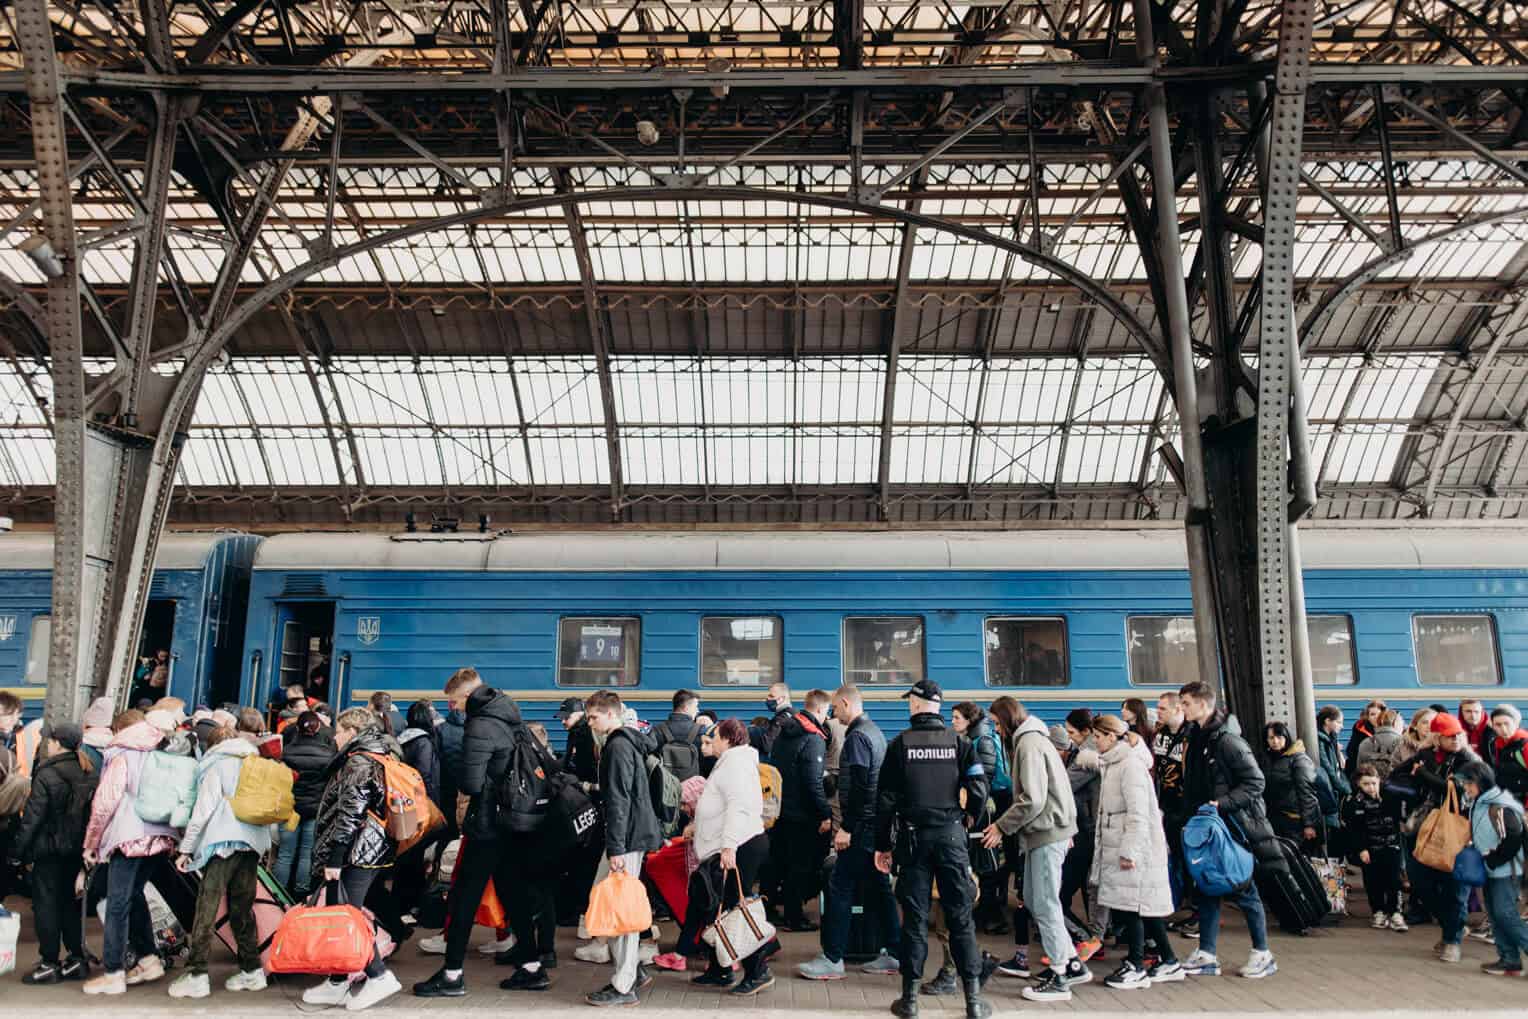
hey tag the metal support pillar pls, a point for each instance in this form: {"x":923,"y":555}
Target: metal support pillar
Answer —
{"x":1180,"y":343}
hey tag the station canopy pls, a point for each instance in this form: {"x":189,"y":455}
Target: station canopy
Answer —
{"x":771,"y":351}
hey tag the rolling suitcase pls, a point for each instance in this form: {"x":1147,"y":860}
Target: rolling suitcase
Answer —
{"x":1294,"y":893}
{"x":271,"y":904}
{"x":865,"y":924}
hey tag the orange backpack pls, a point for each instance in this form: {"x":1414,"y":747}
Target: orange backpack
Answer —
{"x":410,"y":815}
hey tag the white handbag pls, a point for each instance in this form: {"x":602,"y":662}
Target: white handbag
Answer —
{"x":741,"y":930}
{"x":10,"y":933}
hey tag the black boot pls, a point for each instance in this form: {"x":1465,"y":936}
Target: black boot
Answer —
{"x":943,"y":983}
{"x":976,"y":1006}
{"x":906,"y":1007}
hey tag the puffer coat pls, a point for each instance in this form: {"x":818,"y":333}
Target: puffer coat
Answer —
{"x":350,"y":828}
{"x":1129,"y":827}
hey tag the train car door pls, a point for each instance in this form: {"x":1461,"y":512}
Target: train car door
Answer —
{"x":158,"y":634}
{"x":305,"y":648}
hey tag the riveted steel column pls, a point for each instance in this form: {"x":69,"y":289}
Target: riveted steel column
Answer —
{"x":1180,"y":343}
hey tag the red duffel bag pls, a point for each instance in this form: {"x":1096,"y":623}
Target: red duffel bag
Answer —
{"x":332,"y":940}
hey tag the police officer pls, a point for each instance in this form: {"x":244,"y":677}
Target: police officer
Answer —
{"x":925,"y":770}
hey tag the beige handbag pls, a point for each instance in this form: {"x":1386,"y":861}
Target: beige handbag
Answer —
{"x":1444,"y":832}
{"x":741,"y":930}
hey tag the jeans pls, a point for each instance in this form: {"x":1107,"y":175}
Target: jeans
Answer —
{"x":1445,"y":899}
{"x":54,"y":909}
{"x":1506,"y":924}
{"x":1248,"y":902}
{"x":127,"y":911}
{"x":294,"y":860}
{"x":853,"y":866}
{"x":235,"y":876}
{"x":623,"y":949}
{"x":1042,"y":896}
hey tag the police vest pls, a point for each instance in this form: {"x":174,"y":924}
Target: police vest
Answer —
{"x":931,"y":765}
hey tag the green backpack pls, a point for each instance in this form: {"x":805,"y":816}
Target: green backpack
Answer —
{"x":166,"y":789}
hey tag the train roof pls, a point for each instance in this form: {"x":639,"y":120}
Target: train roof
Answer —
{"x":1105,"y":549}
{"x":33,"y":550}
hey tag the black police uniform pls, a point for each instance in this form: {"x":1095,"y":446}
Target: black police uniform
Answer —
{"x":926,"y":768}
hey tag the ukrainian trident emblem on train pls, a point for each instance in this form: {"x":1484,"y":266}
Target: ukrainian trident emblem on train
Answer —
{"x":7,"y":628}
{"x":368,"y":629}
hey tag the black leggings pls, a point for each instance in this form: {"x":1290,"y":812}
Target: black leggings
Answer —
{"x":1137,"y":929}
{"x":710,"y":882}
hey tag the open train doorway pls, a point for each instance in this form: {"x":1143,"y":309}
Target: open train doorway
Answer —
{"x":305,"y":641}
{"x":154,"y":674}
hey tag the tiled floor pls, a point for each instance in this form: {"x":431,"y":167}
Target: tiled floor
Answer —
{"x":1345,"y":970}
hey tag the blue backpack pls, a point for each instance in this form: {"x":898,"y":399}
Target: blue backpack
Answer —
{"x":1000,"y":779}
{"x":1218,"y":864}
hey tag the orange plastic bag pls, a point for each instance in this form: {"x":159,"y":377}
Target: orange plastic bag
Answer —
{"x":490,"y":912}
{"x":618,"y":905}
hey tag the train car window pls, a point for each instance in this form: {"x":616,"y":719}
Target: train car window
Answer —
{"x":39,"y":649}
{"x":1332,"y":662}
{"x":1456,"y":650}
{"x":601,"y":652}
{"x":1163,"y":649}
{"x":883,"y":650}
{"x":741,"y":650}
{"x":1026,"y":651}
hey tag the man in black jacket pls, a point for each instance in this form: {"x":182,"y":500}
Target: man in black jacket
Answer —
{"x":859,"y":769}
{"x":1220,"y":768}
{"x":778,"y":702}
{"x":926,"y":770}
{"x":578,"y":756}
{"x":1168,"y":748}
{"x":798,"y":842}
{"x":681,"y":734}
{"x":631,"y":830}
{"x":488,"y":744}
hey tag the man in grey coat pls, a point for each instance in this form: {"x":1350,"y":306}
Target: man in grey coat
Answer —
{"x":1044,"y":818}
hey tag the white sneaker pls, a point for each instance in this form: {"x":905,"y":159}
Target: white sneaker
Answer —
{"x":1259,"y":964}
{"x":375,"y":989}
{"x":487,"y":947}
{"x":435,"y":944}
{"x":1201,"y":964}
{"x":149,"y":969}
{"x":327,"y":993}
{"x":191,"y":985}
{"x":594,"y":951}
{"x":583,"y":929}
{"x":647,"y":951}
{"x":1380,"y":921}
{"x":254,"y":980}
{"x":106,"y":983}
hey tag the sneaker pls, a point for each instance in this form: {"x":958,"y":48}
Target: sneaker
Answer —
{"x":1166,"y":973}
{"x":989,"y":967}
{"x":1051,"y":987}
{"x":327,"y":993}
{"x":943,"y":983}
{"x":645,"y":978}
{"x":1018,"y":966}
{"x":441,"y":986}
{"x":435,"y":944}
{"x":1089,"y":947}
{"x":821,"y":968}
{"x":149,"y":969}
{"x":44,"y":973}
{"x":74,"y":968}
{"x":883,"y":965}
{"x":191,"y":985}
{"x":254,"y":980}
{"x":671,"y":961}
{"x":583,"y":929}
{"x":1188,"y":928}
{"x":647,"y":951}
{"x":375,"y":989}
{"x":1483,"y":933}
{"x":1201,"y":964}
{"x":608,"y":995}
{"x":713,"y":978}
{"x":1398,"y":923}
{"x":1077,"y":974}
{"x":1259,"y":964}
{"x":106,"y":983}
{"x":489,"y":947}
{"x":1451,"y":953}
{"x":525,"y":980}
{"x":1129,"y":977}
{"x":748,"y":988}
{"x":594,"y":951}
{"x":1500,"y":969}
{"x":548,"y":960}
{"x":1380,"y":921}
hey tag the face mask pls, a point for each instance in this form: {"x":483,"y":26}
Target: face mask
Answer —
{"x":771,"y":704}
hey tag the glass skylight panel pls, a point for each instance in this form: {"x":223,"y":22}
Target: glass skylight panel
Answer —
{"x":1117,"y":389}
{"x":922,"y":455}
{"x":656,"y":390}
{"x":27,"y":456}
{"x":1016,"y":456}
{"x":17,"y":405}
{"x":841,"y":457}
{"x":569,"y":458}
{"x":560,"y":391}
{"x":840,"y":389}
{"x":653,"y":456}
{"x":1028,"y":391}
{"x":741,"y":391}
{"x":937,"y":389}
{"x":1103,"y":455}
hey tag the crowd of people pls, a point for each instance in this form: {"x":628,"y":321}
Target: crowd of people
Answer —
{"x":1068,"y":836}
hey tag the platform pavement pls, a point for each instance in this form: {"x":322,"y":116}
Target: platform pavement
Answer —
{"x":1350,"y":970}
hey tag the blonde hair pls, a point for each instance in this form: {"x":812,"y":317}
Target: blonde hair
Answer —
{"x":1420,"y":719}
{"x":1111,"y":724}
{"x":1389,"y":718}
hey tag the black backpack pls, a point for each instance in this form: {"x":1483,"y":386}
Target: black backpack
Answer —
{"x":525,"y":790}
{"x":680,"y":756}
{"x":573,"y":820}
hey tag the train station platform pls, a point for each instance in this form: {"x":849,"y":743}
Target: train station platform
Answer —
{"x":1347,"y":971}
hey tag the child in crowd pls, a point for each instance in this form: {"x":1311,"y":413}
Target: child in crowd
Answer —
{"x":51,"y":839}
{"x":1373,"y":821}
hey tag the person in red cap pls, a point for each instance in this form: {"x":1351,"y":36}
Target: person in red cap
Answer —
{"x":1432,"y":771}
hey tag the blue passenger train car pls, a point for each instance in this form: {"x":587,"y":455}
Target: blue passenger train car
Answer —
{"x":1057,"y":618}
{"x":198,"y":599}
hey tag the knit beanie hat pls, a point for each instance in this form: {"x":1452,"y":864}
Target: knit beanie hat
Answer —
{"x":1510,"y":710}
{"x":98,"y":715}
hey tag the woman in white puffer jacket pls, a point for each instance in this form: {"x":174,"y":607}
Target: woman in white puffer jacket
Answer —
{"x":1130,"y":857}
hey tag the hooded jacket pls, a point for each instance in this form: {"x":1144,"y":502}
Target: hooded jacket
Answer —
{"x":1220,"y":768}
{"x":213,"y":826}
{"x":1332,"y":765}
{"x":1043,"y":809}
{"x":579,"y":756}
{"x":1130,"y":827}
{"x":799,"y":751}
{"x":488,"y":741}
{"x":988,"y":747}
{"x":419,"y":753}
{"x":1290,"y":792}
{"x":54,"y":818}
{"x":1378,"y":750}
{"x":309,"y":758}
{"x":1475,"y":736}
{"x":114,"y":821}
{"x":1496,"y":829}
{"x":1508,"y":758}
{"x":452,"y":732}
{"x":350,"y":830}
{"x":631,"y":824}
